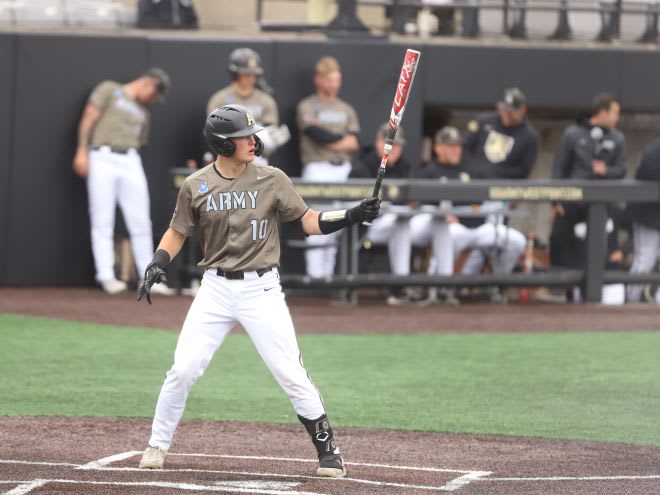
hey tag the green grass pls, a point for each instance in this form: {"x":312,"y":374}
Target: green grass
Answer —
{"x":591,"y":386}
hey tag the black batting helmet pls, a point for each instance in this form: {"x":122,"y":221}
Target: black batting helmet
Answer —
{"x":231,"y":121}
{"x":245,"y":61}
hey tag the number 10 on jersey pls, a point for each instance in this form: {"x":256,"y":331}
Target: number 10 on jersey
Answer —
{"x":259,"y":228}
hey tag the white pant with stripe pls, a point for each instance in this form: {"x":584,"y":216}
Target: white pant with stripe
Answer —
{"x":258,"y":304}
{"x":116,"y":178}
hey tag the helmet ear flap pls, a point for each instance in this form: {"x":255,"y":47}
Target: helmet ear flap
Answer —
{"x":258,"y":146}
{"x":227,"y":147}
{"x":220,"y":146}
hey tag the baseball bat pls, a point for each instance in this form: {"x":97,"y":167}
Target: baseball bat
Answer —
{"x":401,"y":94}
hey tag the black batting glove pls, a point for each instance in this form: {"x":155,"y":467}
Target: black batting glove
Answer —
{"x":366,"y":211}
{"x":154,"y":274}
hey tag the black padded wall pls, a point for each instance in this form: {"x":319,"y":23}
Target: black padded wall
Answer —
{"x":7,"y":60}
{"x":43,"y":205}
{"x":49,"y":228}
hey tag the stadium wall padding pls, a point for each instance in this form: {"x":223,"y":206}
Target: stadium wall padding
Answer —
{"x":48,"y":229}
{"x":7,"y":60}
{"x":43,"y":205}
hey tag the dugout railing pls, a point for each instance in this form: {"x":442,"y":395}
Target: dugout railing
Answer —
{"x":595,"y":194}
{"x":513,"y":13}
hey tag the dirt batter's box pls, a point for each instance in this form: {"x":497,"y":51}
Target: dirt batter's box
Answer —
{"x":262,"y":474}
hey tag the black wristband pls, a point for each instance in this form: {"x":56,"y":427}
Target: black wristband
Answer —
{"x":161,"y":258}
{"x":332,"y":221}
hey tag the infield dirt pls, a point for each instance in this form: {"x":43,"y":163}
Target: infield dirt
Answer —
{"x":379,"y":461}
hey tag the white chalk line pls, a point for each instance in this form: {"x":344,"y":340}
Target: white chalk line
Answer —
{"x":580,"y":478}
{"x":348,"y":463}
{"x":263,"y":485}
{"x":39,"y":463}
{"x":26,"y":487}
{"x":103,"y":465}
{"x":466,"y":478}
{"x":109,"y":460}
{"x":156,"y":484}
{"x":280,"y":475}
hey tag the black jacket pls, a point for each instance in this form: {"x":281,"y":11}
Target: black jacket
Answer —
{"x":366,"y":161}
{"x":499,"y":152}
{"x":578,"y":148}
{"x":437,"y":170}
{"x":648,"y":214}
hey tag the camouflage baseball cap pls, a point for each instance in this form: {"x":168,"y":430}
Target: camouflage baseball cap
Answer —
{"x":164,"y":84}
{"x":512,"y":99}
{"x":448,"y":135}
{"x":400,"y":137}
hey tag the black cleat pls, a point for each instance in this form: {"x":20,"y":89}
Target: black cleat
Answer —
{"x":331,"y":466}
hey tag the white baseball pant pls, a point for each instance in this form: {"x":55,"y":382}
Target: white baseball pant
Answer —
{"x":509,"y":244}
{"x":116,"y":178}
{"x":394,"y":231}
{"x":425,"y":229}
{"x":258,"y":304}
{"x":320,"y":261}
{"x":646,"y":242}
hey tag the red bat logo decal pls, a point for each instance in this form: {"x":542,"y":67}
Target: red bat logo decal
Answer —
{"x":403,"y":87}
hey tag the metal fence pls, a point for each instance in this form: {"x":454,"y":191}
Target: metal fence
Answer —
{"x":468,"y":17}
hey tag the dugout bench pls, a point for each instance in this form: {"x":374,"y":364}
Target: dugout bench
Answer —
{"x":596,"y":194}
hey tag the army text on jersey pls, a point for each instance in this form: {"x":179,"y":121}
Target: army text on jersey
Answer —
{"x":236,"y":219}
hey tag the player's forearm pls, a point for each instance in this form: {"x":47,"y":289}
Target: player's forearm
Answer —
{"x":84,"y":133}
{"x":347,"y":144}
{"x":310,"y":222}
{"x":327,"y":222}
{"x":172,"y":242}
{"x":87,"y":122}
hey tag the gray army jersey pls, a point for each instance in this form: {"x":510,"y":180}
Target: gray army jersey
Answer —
{"x":260,"y":104}
{"x":124,"y":123}
{"x":236,"y":219}
{"x":336,"y":116}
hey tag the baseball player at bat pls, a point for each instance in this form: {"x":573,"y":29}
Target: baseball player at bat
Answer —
{"x":234,"y":205}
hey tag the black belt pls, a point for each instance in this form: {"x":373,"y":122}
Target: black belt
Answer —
{"x":240,"y":275}
{"x":121,"y":151}
{"x":337,"y":161}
